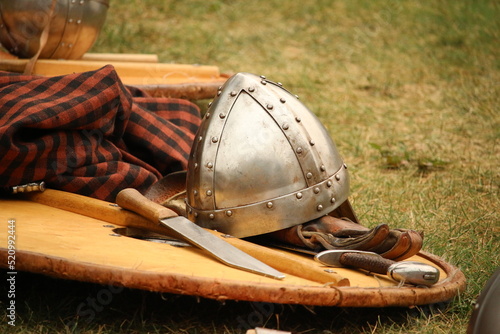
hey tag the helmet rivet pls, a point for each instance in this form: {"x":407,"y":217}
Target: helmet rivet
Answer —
{"x":320,"y":188}
{"x":297,"y":97}
{"x":220,"y":88}
{"x":209,"y":104}
{"x":196,"y":214}
{"x":195,"y":192}
{"x":207,"y":115}
{"x":218,"y":93}
{"x":70,"y":21}
{"x":345,"y":165}
{"x":262,"y":76}
{"x":337,"y":177}
{"x":195,"y":165}
{"x":279,"y":84}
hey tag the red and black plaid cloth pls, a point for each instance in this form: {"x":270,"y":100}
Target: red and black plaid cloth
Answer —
{"x":87,"y":133}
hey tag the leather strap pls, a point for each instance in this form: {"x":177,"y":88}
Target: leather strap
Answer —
{"x":28,"y":70}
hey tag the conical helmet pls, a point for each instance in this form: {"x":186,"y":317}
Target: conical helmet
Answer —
{"x":261,"y":162}
{"x":72,"y":26}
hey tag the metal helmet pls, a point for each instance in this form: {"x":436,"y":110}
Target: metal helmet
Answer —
{"x":73,"y":26}
{"x":261,"y":162}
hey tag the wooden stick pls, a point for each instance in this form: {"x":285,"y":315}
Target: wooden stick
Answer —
{"x":191,"y":82}
{"x":50,"y":67}
{"x":126,"y":57}
{"x":111,"y":213}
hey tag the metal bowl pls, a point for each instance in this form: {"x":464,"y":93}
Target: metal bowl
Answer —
{"x":73,"y":26}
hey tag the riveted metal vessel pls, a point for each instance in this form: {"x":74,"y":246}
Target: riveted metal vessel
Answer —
{"x":73,"y":26}
{"x":262,"y":162}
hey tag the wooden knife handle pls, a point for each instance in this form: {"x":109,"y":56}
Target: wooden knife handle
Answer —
{"x":374,"y":264}
{"x":133,"y":200}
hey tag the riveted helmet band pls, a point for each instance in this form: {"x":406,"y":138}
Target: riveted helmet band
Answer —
{"x":262,"y":161}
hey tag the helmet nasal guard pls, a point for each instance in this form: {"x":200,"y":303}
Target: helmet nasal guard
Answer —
{"x":261,"y":162}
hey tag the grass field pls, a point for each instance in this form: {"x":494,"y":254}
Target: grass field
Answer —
{"x":409,"y":91}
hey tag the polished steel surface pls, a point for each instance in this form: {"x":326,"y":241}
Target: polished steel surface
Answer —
{"x":413,"y":272}
{"x":223,"y":251}
{"x":183,"y":229}
{"x":262,"y":161}
{"x":74,"y":26}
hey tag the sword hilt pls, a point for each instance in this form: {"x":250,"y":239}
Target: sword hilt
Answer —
{"x":29,"y":187}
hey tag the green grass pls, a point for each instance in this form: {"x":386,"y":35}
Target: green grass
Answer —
{"x":409,"y":92}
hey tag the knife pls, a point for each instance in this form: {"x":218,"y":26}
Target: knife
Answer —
{"x":411,"y":272}
{"x":184,"y":229}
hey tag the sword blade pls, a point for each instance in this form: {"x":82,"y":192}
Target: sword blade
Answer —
{"x":184,"y":229}
{"x":217,"y":247}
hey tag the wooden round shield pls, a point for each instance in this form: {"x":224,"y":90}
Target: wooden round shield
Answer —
{"x":84,"y":239}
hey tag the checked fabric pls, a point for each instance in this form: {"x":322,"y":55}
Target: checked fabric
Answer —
{"x":89,"y":134}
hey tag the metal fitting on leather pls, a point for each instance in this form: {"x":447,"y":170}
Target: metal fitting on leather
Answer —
{"x":262,"y":162}
{"x":73,"y":26}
